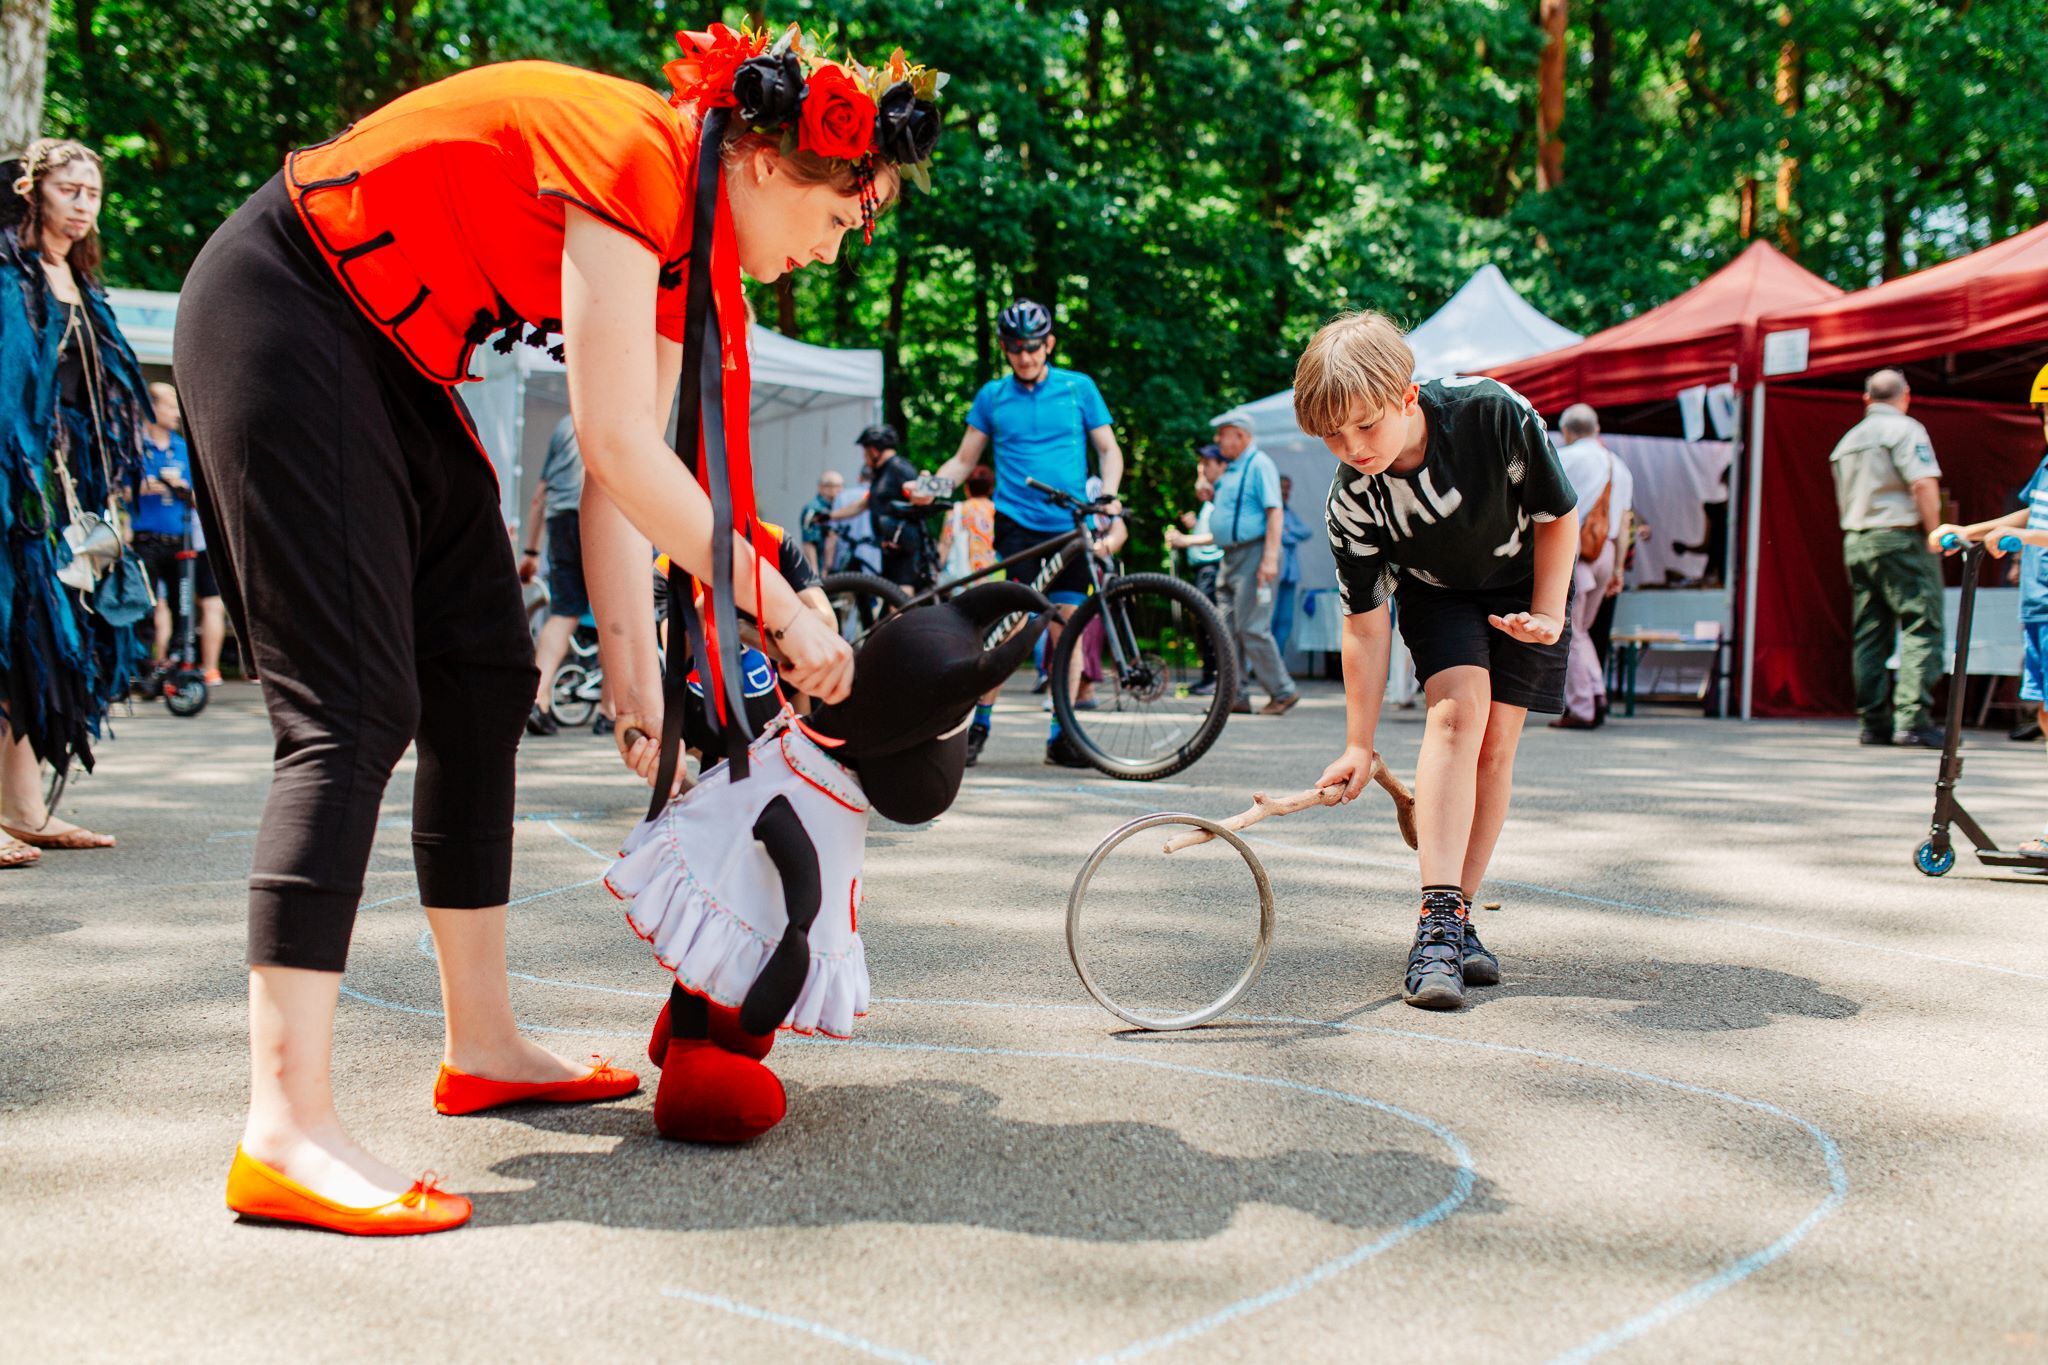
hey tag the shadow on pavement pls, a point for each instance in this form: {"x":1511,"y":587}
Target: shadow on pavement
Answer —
{"x":1701,"y":997}
{"x":938,"y":1153}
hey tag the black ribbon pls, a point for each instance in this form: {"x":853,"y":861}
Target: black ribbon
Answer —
{"x":701,"y":407}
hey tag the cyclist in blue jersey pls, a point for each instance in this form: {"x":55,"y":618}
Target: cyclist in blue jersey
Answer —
{"x":1039,"y":422}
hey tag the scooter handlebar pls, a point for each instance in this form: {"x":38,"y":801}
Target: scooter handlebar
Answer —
{"x":1952,"y":541}
{"x":2009,"y":543}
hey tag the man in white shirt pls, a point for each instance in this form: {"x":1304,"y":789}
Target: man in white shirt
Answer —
{"x":1592,"y":468}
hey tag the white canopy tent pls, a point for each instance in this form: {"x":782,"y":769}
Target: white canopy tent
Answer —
{"x":1485,"y":323}
{"x":809,"y":404}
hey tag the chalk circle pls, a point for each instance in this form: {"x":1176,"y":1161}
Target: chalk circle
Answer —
{"x":1155,"y":879}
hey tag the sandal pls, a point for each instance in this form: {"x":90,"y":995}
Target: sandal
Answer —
{"x":14,"y":853}
{"x":69,"y":839}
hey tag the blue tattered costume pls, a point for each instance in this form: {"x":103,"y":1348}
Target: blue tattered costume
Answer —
{"x":62,"y":664}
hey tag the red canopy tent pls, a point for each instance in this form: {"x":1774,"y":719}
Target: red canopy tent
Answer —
{"x":1970,"y":334}
{"x":1697,"y":338}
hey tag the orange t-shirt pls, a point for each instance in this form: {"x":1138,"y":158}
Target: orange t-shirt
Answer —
{"x":442,"y":212}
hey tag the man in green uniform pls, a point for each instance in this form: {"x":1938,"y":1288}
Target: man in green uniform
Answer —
{"x":1888,"y":489}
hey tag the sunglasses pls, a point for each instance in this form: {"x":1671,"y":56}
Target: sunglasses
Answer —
{"x":1023,"y":347}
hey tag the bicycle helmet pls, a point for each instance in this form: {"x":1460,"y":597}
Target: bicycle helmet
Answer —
{"x":1024,"y":320}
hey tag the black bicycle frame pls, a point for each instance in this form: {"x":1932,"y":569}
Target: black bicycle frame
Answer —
{"x":1056,"y":549}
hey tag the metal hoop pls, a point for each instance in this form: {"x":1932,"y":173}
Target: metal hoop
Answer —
{"x":1170,"y":1023}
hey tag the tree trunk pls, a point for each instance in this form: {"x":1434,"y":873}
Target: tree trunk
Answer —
{"x":1791,"y":96}
{"x":892,"y":336}
{"x":1746,"y":226}
{"x":1600,"y":78}
{"x":24,"y":49}
{"x":785,"y":305}
{"x":1555,"y":15}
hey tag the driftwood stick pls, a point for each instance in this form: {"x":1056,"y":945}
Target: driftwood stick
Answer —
{"x":1263,"y":806}
{"x":1404,"y":802}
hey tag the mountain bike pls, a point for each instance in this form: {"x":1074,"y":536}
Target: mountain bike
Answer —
{"x":1152,"y":716}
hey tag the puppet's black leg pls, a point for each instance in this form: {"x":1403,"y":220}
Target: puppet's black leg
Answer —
{"x":790,"y":848}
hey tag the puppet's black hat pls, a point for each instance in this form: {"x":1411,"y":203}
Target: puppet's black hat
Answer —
{"x":915,"y":682}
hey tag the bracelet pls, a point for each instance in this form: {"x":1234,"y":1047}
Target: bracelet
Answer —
{"x":530,"y":554}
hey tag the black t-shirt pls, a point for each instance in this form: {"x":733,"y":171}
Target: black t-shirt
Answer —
{"x":896,"y":517}
{"x":1461,"y":518}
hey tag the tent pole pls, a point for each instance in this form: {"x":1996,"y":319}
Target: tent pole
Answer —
{"x":1755,"y":517}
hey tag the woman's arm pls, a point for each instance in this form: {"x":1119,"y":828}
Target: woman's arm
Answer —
{"x":619,"y":379}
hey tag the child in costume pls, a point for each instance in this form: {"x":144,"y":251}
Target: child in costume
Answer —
{"x":1451,"y":498}
{"x":749,"y":890}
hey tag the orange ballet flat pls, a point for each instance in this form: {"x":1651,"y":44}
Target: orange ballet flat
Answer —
{"x":259,"y":1191}
{"x":458,"y":1092}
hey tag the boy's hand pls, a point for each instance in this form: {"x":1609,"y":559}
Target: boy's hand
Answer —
{"x":1353,"y":768}
{"x":1947,"y":528}
{"x":1530,"y":627}
{"x":2026,"y":535}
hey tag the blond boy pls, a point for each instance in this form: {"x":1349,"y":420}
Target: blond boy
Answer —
{"x":1450,"y":503}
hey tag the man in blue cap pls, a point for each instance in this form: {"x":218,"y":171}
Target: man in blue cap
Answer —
{"x":1249,"y":522}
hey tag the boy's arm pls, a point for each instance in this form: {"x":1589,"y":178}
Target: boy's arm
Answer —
{"x":1557,"y":549}
{"x":1366,"y":649}
{"x":1976,"y":530}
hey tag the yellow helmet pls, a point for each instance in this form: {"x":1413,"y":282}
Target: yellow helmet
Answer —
{"x":2040,"y":393}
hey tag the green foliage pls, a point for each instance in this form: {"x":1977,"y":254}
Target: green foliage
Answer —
{"x":1192,"y":185}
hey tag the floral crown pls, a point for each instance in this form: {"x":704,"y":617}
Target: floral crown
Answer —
{"x":839,"y":111}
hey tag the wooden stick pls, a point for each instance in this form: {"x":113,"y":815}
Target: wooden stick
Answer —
{"x":1264,"y":805}
{"x":1404,"y":802}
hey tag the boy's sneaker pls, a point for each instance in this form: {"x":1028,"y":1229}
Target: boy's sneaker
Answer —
{"x":977,"y":735}
{"x":1480,"y":968}
{"x":1436,"y":974}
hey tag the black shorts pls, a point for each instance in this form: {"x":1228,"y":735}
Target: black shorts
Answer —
{"x":1446,"y":627}
{"x":1069,"y":587}
{"x":566,"y":594}
{"x":159,"y":556}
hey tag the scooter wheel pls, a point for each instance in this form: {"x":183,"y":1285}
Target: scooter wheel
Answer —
{"x":185,"y":694}
{"x":1932,"y":863}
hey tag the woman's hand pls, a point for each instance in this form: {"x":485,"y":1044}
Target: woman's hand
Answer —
{"x":639,"y":739}
{"x":1353,"y":768}
{"x":1530,"y":627}
{"x":820,"y":662}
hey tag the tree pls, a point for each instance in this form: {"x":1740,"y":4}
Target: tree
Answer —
{"x":24,"y":37}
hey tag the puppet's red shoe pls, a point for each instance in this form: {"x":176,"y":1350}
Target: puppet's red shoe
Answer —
{"x":262,"y":1192}
{"x":723,"y":1028}
{"x":708,"y":1094}
{"x":458,"y":1092}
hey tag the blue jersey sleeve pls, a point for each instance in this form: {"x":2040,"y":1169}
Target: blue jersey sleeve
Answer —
{"x":982,"y":415}
{"x":1094,"y":412}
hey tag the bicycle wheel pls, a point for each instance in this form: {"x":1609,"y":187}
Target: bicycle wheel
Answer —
{"x":571,"y":696}
{"x":860,"y":601}
{"x":1149,"y":719}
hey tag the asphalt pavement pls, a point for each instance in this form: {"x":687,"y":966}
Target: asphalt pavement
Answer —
{"x":1752,"y":1087}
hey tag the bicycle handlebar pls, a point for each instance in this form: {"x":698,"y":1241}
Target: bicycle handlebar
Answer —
{"x":1066,"y":499}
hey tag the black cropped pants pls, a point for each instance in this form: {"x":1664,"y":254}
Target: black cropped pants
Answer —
{"x":355,"y":529}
